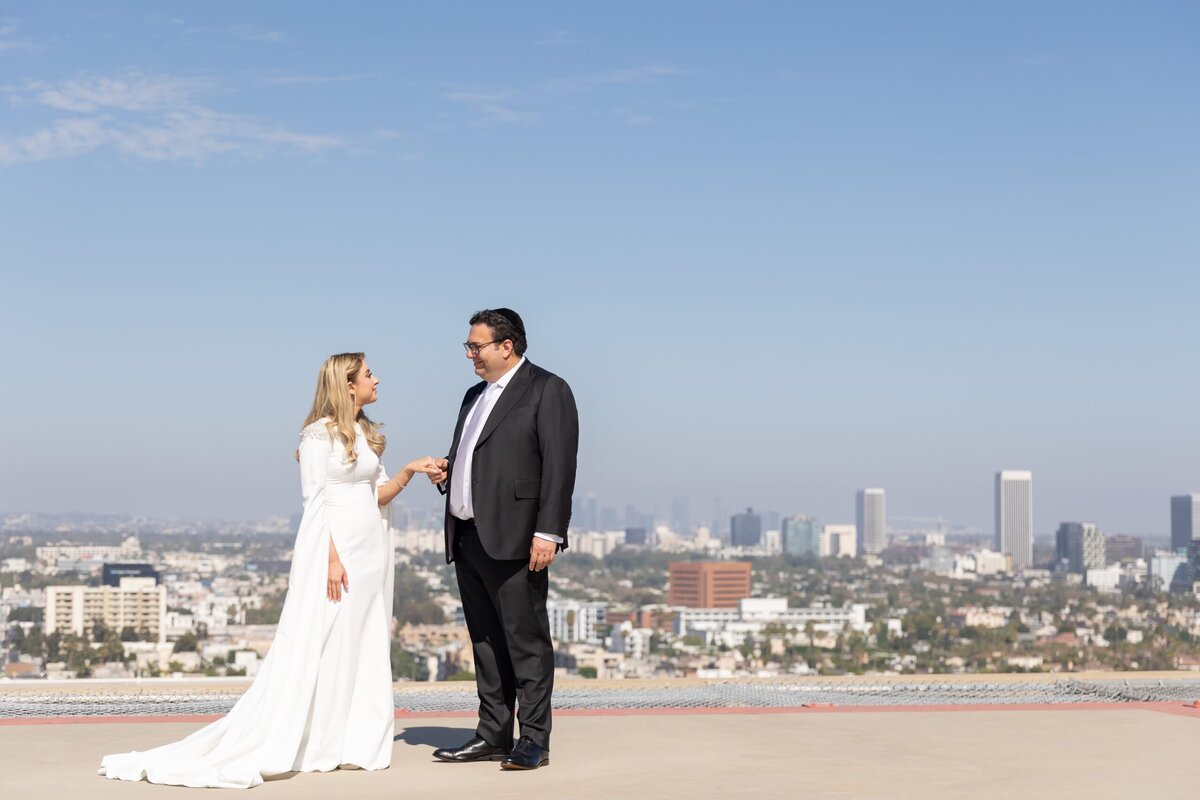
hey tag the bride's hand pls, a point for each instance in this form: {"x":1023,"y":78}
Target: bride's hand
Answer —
{"x":424,"y":466}
{"x":338,"y":579}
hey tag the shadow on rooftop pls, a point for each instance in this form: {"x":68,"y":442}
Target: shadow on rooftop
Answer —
{"x":434,"y":736}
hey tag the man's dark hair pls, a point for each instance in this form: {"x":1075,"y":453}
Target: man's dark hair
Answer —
{"x":505,"y":324}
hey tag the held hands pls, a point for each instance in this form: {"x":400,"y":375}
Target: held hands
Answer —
{"x":441,"y":471}
{"x":399,"y":482}
{"x":541,"y":553}
{"x":338,"y":579}
{"x":427,"y":465}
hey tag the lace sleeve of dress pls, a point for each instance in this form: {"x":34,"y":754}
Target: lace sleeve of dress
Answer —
{"x":315,"y":432}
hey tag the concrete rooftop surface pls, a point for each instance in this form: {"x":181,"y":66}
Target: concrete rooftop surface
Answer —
{"x":1093,"y":748}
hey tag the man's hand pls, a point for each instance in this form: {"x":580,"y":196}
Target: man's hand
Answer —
{"x":541,"y":553}
{"x":439,"y":473}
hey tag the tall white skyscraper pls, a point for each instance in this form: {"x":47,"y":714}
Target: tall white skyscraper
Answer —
{"x":872,"y":521}
{"x":1014,"y":516}
{"x":1185,"y":520}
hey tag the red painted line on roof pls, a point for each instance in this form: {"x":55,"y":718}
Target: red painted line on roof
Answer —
{"x":835,"y":709}
{"x":1167,"y":707}
{"x":1178,"y":710}
{"x":107,"y":720}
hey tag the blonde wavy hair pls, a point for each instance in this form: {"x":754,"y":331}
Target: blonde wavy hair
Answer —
{"x":333,"y":401}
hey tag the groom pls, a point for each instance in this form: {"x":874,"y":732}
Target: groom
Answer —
{"x":508,"y":482}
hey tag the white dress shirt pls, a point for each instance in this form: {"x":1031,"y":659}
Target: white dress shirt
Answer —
{"x":462,"y":504}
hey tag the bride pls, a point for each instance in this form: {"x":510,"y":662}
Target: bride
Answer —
{"x":323,"y":695}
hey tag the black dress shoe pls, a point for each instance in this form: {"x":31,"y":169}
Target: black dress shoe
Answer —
{"x":475,"y":750}
{"x":526,"y":755}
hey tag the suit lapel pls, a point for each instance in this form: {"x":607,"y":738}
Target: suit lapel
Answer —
{"x":508,"y":399}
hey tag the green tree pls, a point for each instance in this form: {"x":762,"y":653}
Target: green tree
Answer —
{"x":27,"y":614}
{"x":16,"y":639}
{"x":77,"y":653}
{"x":54,"y":647}
{"x":111,"y":649}
{"x":407,"y":666}
{"x":187,"y":643}
{"x":424,"y":612}
{"x":99,"y":631}
{"x":270,"y":607}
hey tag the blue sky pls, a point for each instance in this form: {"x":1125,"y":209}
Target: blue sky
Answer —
{"x":780,"y":250}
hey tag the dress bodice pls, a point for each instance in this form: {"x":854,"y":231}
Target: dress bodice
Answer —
{"x":345,"y":480}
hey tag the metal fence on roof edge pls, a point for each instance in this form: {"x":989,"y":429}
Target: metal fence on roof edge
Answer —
{"x":156,"y":702}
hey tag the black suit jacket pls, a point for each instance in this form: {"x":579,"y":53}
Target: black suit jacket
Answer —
{"x":523,"y":470}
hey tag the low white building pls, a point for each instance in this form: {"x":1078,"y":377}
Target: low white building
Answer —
{"x":839,"y":541}
{"x":731,"y":626}
{"x":420,"y":541}
{"x":596,"y":543}
{"x":576,"y":621}
{"x":772,"y":542}
{"x":633,"y":642}
{"x":977,"y":617}
{"x":247,"y":660}
{"x":1107,"y":579}
{"x":128,"y":550}
{"x":990,"y":562}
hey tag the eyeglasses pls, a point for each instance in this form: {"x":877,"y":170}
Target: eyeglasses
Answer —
{"x":473,"y":349}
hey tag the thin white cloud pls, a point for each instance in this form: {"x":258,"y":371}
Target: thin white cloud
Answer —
{"x":63,"y":139}
{"x":152,"y":117}
{"x":521,"y":105}
{"x":131,"y":92}
{"x":199,"y":133}
{"x":493,"y":106}
{"x":9,"y":43}
{"x":249,"y":33}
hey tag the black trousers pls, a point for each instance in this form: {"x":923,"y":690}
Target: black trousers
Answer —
{"x":505,"y":606}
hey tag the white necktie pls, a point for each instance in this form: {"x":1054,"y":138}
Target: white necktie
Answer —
{"x":466,"y":448}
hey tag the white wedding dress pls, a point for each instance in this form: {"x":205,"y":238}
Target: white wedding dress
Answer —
{"x":323,"y":695}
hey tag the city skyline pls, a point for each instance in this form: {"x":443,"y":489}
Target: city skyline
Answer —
{"x":779,"y":253}
{"x":590,"y":514}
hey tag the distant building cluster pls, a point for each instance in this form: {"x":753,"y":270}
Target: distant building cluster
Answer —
{"x":170,"y":609}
